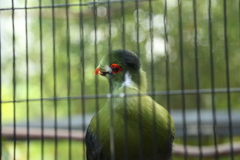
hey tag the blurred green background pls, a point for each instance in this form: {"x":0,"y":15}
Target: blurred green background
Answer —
{"x":63,"y":51}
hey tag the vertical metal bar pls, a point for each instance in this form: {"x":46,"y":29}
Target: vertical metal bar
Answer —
{"x":125,"y":97}
{"x":166,"y":54}
{"x":182,"y":77}
{"x":95,"y":65}
{"x":41,"y":79}
{"x":54,"y":82}
{"x":212,"y":77}
{"x":155,"y":149}
{"x":165,"y":21}
{"x":151,"y":44}
{"x":14,"y":81}
{"x":1,"y":88}
{"x":27,"y":81}
{"x":123,"y":24}
{"x":140,"y":126}
{"x":197,"y":79}
{"x":82,"y":56}
{"x":228,"y":78}
{"x":68,"y":81}
{"x":239,"y":20}
{"x":137,"y":27}
{"x":112,"y":143}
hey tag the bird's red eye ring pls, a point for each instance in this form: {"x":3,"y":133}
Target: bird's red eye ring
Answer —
{"x":115,"y":68}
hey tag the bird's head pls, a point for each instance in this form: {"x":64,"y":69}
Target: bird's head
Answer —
{"x":122,"y":68}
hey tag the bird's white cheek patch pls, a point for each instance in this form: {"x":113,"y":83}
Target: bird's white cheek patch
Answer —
{"x":127,"y":80}
{"x":108,"y":69}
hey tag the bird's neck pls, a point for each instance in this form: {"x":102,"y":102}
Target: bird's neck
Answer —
{"x":141,"y":81}
{"x":134,"y":81}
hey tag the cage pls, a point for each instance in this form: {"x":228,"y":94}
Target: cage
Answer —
{"x":49,"y":50}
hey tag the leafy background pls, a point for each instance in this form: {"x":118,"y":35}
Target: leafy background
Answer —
{"x":57,"y":53}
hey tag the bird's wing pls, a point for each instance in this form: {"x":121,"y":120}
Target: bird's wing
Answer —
{"x":94,"y":148}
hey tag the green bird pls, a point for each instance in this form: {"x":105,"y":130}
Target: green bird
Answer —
{"x":131,"y":125}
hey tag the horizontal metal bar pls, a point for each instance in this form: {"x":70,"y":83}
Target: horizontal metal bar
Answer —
{"x":71,"y":5}
{"x":162,"y":93}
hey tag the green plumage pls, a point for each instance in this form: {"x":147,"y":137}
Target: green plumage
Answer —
{"x":141,"y":127}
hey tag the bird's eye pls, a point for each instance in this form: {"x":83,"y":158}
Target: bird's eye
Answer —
{"x":115,"y":68}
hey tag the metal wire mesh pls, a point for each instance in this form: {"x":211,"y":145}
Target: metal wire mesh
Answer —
{"x":49,"y":50}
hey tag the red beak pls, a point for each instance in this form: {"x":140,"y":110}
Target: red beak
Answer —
{"x":98,"y":71}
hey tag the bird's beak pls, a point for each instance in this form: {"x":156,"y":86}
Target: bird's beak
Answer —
{"x":98,"y":71}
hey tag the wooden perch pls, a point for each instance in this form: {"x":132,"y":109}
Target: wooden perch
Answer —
{"x":21,"y":133}
{"x":207,"y":151}
{"x":36,"y":133}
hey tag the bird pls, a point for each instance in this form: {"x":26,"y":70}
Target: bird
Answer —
{"x":131,"y":125}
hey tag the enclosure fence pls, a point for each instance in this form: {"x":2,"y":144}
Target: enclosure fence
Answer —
{"x":50,"y":49}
